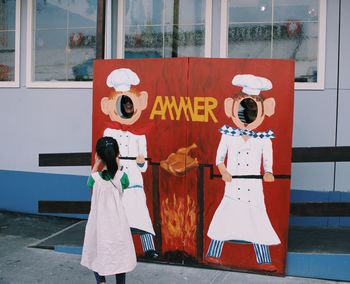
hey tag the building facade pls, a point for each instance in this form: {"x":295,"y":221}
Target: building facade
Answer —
{"x":47,"y":49}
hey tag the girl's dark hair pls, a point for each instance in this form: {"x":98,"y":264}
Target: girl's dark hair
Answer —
{"x":107,"y":149}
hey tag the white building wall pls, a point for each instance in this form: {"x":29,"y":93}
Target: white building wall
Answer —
{"x":35,"y":121}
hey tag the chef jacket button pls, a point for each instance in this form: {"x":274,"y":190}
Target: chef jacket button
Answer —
{"x":248,"y":189}
{"x":239,"y":152}
{"x":238,"y":164}
{"x":239,"y":189}
{"x":239,"y":198}
{"x":248,"y":200}
{"x":247,"y":153}
{"x":247,"y":165}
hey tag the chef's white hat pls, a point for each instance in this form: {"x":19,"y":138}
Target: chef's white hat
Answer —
{"x":252,"y":85}
{"x":122,"y":79}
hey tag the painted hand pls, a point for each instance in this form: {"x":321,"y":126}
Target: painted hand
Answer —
{"x":226,"y":176}
{"x":268,"y":177}
{"x":140,"y":159}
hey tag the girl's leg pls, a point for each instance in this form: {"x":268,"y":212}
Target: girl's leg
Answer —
{"x":99,"y":278}
{"x":120,"y":278}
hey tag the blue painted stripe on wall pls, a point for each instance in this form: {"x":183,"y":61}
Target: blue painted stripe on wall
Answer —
{"x":323,"y":266}
{"x":319,"y":196}
{"x":319,"y":221}
{"x":21,"y":191}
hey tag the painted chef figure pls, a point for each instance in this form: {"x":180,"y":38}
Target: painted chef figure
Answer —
{"x":124,"y":108}
{"x":241,"y":216}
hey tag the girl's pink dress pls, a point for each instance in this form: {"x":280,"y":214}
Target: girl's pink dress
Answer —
{"x":108,"y":246}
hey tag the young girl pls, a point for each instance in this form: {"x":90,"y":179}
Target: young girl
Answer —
{"x":108,"y":246}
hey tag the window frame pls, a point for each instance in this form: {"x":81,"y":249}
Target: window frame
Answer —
{"x":120,"y":38}
{"x":15,"y":82}
{"x":321,"y":55}
{"x":30,"y":59}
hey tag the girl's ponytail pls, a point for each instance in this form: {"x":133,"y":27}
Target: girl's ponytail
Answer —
{"x":107,"y":149}
{"x":110,"y":161}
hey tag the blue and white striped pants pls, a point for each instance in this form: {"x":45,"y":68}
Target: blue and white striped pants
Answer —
{"x":262,"y":252}
{"x":147,"y":242}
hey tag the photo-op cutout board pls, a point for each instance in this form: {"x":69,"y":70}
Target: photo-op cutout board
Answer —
{"x":206,"y":144}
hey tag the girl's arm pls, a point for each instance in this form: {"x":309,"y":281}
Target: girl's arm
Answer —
{"x":142,"y":153}
{"x":94,"y":169}
{"x":97,"y":164}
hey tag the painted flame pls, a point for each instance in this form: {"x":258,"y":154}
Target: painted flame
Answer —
{"x":179,"y":223}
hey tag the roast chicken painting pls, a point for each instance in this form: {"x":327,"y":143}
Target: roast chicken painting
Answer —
{"x":180,"y":162}
{"x":177,"y":117}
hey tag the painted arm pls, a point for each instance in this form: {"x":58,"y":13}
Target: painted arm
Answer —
{"x":268,"y":161}
{"x":107,"y":132}
{"x":220,"y":160}
{"x":142,"y":153}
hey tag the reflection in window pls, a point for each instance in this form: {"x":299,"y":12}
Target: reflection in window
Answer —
{"x":164,"y":28}
{"x":7,"y":40}
{"x":276,"y":29}
{"x":64,"y":40}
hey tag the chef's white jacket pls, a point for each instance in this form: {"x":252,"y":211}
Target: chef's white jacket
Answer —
{"x":241,"y":215}
{"x":134,"y":198}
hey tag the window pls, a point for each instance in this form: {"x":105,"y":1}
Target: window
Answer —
{"x":163,"y":28}
{"x":9,"y":43}
{"x":62,"y":41}
{"x":293,"y":29}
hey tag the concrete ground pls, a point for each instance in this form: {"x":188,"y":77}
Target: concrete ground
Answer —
{"x":21,"y":263}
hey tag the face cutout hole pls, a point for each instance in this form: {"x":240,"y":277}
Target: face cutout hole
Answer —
{"x":247,"y":110}
{"x":125,"y":107}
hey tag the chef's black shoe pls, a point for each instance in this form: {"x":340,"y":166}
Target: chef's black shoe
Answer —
{"x":151,"y":254}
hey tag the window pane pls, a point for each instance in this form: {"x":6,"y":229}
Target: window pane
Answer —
{"x":7,"y":56}
{"x":51,"y":14}
{"x":80,"y":55}
{"x":190,"y":11}
{"x":142,"y":41}
{"x":250,"y":31}
{"x":289,"y":29}
{"x":7,"y":40}
{"x":296,"y":36}
{"x":302,"y":10}
{"x":7,"y":15}
{"x":83,"y":14}
{"x":50,"y":55}
{"x":64,"y":48}
{"x":249,"y":11}
{"x":249,"y":40}
{"x":191,"y":41}
{"x":164,"y":28}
